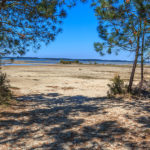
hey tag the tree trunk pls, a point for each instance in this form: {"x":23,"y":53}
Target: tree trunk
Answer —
{"x":0,"y":62}
{"x":2,"y":4}
{"x":134,"y":66}
{"x":142,"y":59}
{"x":142,"y":68}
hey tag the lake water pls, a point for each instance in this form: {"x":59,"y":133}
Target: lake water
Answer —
{"x":37,"y":61}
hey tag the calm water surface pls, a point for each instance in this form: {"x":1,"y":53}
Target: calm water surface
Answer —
{"x":36,"y":61}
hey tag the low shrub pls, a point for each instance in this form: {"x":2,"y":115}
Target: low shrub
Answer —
{"x":69,"y":62}
{"x":5,"y":93}
{"x":142,"y":90}
{"x":76,"y":62}
{"x":95,"y":63}
{"x":117,"y":87}
{"x":65,"y":62}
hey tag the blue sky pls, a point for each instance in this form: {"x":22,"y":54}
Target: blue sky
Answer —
{"x":76,"y":40}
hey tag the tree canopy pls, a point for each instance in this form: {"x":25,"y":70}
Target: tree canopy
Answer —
{"x":124,"y":25}
{"x":119,"y":24}
{"x":27,"y":23}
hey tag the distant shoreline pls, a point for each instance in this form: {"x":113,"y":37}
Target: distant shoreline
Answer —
{"x":31,"y":60}
{"x":10,"y":61}
{"x":37,"y":58}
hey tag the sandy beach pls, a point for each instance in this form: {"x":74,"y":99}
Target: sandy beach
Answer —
{"x":64,"y":107}
{"x":68,"y":80}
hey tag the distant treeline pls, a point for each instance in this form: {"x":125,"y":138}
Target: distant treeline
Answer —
{"x":69,"y":62}
{"x":74,"y":62}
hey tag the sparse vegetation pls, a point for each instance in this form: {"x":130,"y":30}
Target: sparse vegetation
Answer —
{"x":127,"y":27}
{"x":67,"y":88}
{"x":69,"y":62}
{"x":95,"y":63}
{"x":5,"y":93}
{"x":65,"y":62}
{"x":86,"y":77}
{"x":76,"y":62}
{"x":116,"y":87}
{"x":143,"y":91}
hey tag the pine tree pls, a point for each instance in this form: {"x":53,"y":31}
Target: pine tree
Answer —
{"x":121,"y":27}
{"x":28,"y":23}
{"x":143,"y":7}
{"x":25,"y":24}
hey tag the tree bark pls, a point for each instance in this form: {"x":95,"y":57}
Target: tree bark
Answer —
{"x":0,"y":63}
{"x":134,"y":65}
{"x":2,"y":4}
{"x":142,"y":59}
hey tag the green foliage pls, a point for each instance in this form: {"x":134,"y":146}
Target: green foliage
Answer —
{"x":116,"y":87}
{"x":65,"y":62}
{"x":120,"y":24}
{"x":124,"y":25}
{"x":76,"y":62}
{"x":69,"y":62}
{"x":95,"y":63}
{"x":5,"y":93}
{"x":30,"y":23}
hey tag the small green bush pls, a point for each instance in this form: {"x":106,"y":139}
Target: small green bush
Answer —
{"x":95,"y":63}
{"x":76,"y":62}
{"x":117,"y":86}
{"x":5,"y":93}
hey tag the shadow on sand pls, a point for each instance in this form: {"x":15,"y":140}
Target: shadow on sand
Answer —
{"x":53,"y":121}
